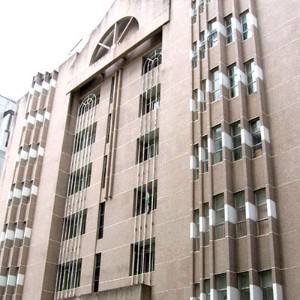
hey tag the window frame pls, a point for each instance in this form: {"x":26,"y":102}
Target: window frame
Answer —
{"x":217,"y":139}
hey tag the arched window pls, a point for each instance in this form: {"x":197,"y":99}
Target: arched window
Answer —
{"x":114,"y":36}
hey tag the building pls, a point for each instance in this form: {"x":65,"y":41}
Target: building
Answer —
{"x":7,"y":112}
{"x":160,"y":161}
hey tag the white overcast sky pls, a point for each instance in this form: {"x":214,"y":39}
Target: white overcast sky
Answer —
{"x":36,"y":36}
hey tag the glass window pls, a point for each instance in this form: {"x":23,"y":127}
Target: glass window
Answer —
{"x":194,"y":11}
{"x":206,"y":216}
{"x":152,"y":60}
{"x":197,"y":166}
{"x":251,"y":77}
{"x":196,"y":221}
{"x":97,"y":272}
{"x":195,"y":55}
{"x":69,"y":275}
{"x":205,"y":149}
{"x":229,"y":31}
{"x":217,"y":140}
{"x":233,"y":81}
{"x":206,"y":288}
{"x":212,"y":33}
{"x":221,"y":286}
{"x":220,"y":216}
{"x":203,"y":95}
{"x":202,"y":44}
{"x":197,"y":291}
{"x":256,"y":138}
{"x":243,"y":285}
{"x":74,"y":225}
{"x":150,"y":100}
{"x":80,"y":179}
{"x":236,"y":141}
{"x":101,"y":220}
{"x":262,"y":212}
{"x":195,"y":98}
{"x":148,"y":146}
{"x":266,"y":285}
{"x":214,"y":77}
{"x":245,"y":22}
{"x":241,"y":227}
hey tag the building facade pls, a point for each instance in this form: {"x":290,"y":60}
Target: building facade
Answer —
{"x":7,"y":112}
{"x":159,"y":162}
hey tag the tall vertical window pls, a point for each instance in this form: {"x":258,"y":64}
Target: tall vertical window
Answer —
{"x":256,"y":138}
{"x":97,"y":272}
{"x":217,"y":140}
{"x":229,"y":31}
{"x":220,"y":216}
{"x":214,"y":77}
{"x":196,"y":103}
{"x":112,"y":89}
{"x":206,"y":216}
{"x":262,"y":212}
{"x":195,"y":55}
{"x":152,"y":60}
{"x":221,"y":286}
{"x":194,"y":11}
{"x":148,"y":146}
{"x":196,"y":221}
{"x":236,"y":141}
{"x":206,"y":288}
{"x":104,"y":168}
{"x":69,"y":275}
{"x":202,"y":44}
{"x":74,"y":225}
{"x":197,"y":166}
{"x":233,"y":81}
{"x":266,"y":285}
{"x":205,"y":150}
{"x":202,"y":5}
{"x":197,"y":291}
{"x":241,"y":226}
{"x":80,"y":179}
{"x":203,"y":95}
{"x":150,"y":100}
{"x":251,"y":77}
{"x":143,"y":257}
{"x":101,"y":220}
{"x":145,"y":198}
{"x":245,"y":22}
{"x":212,"y":33}
{"x":108,"y":126}
{"x":243,"y":285}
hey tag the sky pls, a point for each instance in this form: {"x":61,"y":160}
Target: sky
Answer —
{"x":37,"y":35}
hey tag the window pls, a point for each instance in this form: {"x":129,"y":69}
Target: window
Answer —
{"x":145,"y":198}
{"x":108,"y":128}
{"x":143,"y":256}
{"x":256,"y":138}
{"x":229,"y":31}
{"x":197,"y":166}
{"x":214,"y":77}
{"x":212,"y":33}
{"x":148,"y":146}
{"x":236,"y":141}
{"x":112,"y":89}
{"x":206,"y":216}
{"x":233,"y":81}
{"x":266,"y":285}
{"x":194,"y":11}
{"x":196,"y":221}
{"x":196,"y":108}
{"x":97,"y":272}
{"x":69,"y":275}
{"x":220,"y":216}
{"x":101,"y":220}
{"x":262,"y":213}
{"x":80,"y":179}
{"x":84,"y":138}
{"x":150,"y":100}
{"x":202,"y":44}
{"x":104,"y":168}
{"x":245,"y":22}
{"x":152,"y":60}
{"x":205,"y":150}
{"x":221,"y":286}
{"x":195,"y":55}
{"x":241,"y":226}
{"x":74,"y":225}
{"x":203,"y":95}
{"x":243,"y":285}
{"x":197,"y":291}
{"x":217,"y":140}
{"x":251,"y":78}
{"x":206,"y":288}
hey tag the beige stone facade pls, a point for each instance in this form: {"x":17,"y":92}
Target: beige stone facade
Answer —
{"x":160,"y":161}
